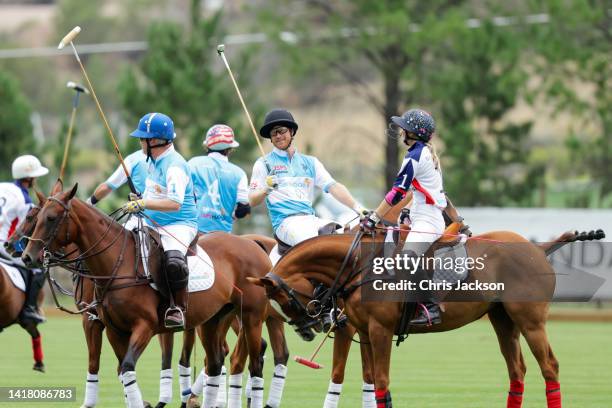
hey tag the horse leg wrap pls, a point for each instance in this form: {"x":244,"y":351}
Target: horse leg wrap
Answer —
{"x":222,"y":395}
{"x":211,"y":391}
{"x":247,"y":389}
{"x":198,"y":386}
{"x":515,"y":395}
{"x":184,"y":381}
{"x":333,"y":395}
{"x":177,"y":270}
{"x":91,"y":390}
{"x":277,"y":385}
{"x":234,"y":394}
{"x":257,"y":392}
{"x":165,"y":386}
{"x":132,"y":392}
{"x":553,"y":394}
{"x":383,"y":398}
{"x":37,"y":348}
{"x":367,"y":396}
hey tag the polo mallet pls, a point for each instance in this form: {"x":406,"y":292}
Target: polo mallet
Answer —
{"x":75,"y":103}
{"x":68,"y":40}
{"x":221,"y":52}
{"x":310,"y":361}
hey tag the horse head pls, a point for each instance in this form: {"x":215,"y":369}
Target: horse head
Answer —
{"x":53,"y":229}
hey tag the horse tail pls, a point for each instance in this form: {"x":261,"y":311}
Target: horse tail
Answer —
{"x":569,"y":236}
{"x":260,"y":240}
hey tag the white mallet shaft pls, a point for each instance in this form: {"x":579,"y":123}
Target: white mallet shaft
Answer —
{"x":69,"y":37}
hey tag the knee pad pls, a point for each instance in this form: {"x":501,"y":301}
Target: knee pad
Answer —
{"x":177,"y":270}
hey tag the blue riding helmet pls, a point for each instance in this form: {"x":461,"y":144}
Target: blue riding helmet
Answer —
{"x":155,"y":126}
{"x":417,"y":121}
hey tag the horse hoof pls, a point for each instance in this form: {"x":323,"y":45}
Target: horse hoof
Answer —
{"x":183,"y":405}
{"x":147,"y":404}
{"x":160,"y":405}
{"x":39,"y":366}
{"x":193,"y":402}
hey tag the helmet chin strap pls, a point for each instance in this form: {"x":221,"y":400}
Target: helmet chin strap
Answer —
{"x":150,"y":148}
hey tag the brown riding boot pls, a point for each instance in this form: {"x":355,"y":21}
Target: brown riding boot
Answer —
{"x":175,"y":316}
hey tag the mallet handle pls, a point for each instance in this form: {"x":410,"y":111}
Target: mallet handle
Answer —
{"x":221,"y":53}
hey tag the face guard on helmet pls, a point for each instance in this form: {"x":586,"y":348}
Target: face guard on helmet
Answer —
{"x":155,"y":126}
{"x":278,"y":117}
{"x":416,"y":121}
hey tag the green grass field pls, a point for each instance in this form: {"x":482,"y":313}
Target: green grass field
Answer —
{"x":462,"y":368}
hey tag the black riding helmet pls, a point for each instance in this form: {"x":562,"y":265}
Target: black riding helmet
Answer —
{"x":416,"y":121}
{"x":277,"y":117}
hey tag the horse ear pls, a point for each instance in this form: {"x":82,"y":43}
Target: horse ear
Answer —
{"x":58,"y":187}
{"x":263,"y":282}
{"x":41,"y":198}
{"x":72,"y":192}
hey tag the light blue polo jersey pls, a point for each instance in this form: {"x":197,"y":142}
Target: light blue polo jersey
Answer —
{"x":215,"y":183}
{"x":137,"y":166}
{"x":297,"y":178}
{"x":169,"y":177}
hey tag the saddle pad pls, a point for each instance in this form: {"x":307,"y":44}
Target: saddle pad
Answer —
{"x":450,"y":264}
{"x":15,"y":276}
{"x":201,"y":272}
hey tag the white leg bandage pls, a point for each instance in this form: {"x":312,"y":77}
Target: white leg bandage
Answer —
{"x":277,"y":385}
{"x":132,"y":392}
{"x":165,"y":386}
{"x":91,"y":390}
{"x":333,"y":395}
{"x":211,"y":391}
{"x":257,"y":392}
{"x":198,"y":385}
{"x":234,"y":394}
{"x":367,"y":396}
{"x":184,"y":381}
{"x":222,"y":395}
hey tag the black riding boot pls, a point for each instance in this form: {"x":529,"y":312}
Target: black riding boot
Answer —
{"x":177,"y":273}
{"x":30,"y":312}
{"x":428,"y":311}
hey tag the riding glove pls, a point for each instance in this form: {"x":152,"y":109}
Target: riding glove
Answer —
{"x":134,"y":206}
{"x":369,"y":222}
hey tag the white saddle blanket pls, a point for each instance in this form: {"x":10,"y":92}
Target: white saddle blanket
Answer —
{"x":201,"y":272}
{"x":15,"y":276}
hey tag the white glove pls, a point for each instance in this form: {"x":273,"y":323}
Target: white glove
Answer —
{"x":361,"y":211}
{"x":271,"y":183}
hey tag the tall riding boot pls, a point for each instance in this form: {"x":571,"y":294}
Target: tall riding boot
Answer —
{"x":428,"y":311}
{"x":30,"y":312}
{"x":177,"y":273}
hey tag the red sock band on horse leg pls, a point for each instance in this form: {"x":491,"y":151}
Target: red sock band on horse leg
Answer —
{"x":383,"y":398}
{"x":553,"y":394}
{"x":515,"y":395}
{"x":37,"y":349}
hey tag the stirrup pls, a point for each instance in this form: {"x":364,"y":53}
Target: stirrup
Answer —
{"x":170,"y":320}
{"x":425,"y":318}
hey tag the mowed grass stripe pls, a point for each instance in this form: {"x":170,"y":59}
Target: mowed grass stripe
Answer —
{"x":463,"y":368}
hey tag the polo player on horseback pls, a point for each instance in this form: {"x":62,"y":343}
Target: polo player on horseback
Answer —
{"x":15,"y":202}
{"x":169,"y":206}
{"x":221,"y":188}
{"x":288,"y":184}
{"x":421,"y":173}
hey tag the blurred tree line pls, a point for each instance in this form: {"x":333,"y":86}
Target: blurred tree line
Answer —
{"x":455,"y":58}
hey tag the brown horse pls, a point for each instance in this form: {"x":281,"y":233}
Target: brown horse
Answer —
{"x":129,"y":307}
{"x":12,"y":300}
{"x":319,"y":260}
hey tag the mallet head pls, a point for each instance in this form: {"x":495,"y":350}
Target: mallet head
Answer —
{"x":220,"y":48}
{"x":77,"y":87}
{"x":69,"y":37}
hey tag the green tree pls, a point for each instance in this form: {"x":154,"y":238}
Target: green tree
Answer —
{"x":181,"y":76}
{"x":15,"y":128}
{"x":422,"y":53}
{"x":575,"y":54}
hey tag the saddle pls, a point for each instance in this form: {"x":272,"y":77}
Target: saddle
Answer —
{"x":327,"y":229}
{"x":155,"y":258}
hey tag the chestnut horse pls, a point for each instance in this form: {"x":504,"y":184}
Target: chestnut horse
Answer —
{"x":129,"y":307}
{"x":12,"y":300}
{"x":319,"y":260}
